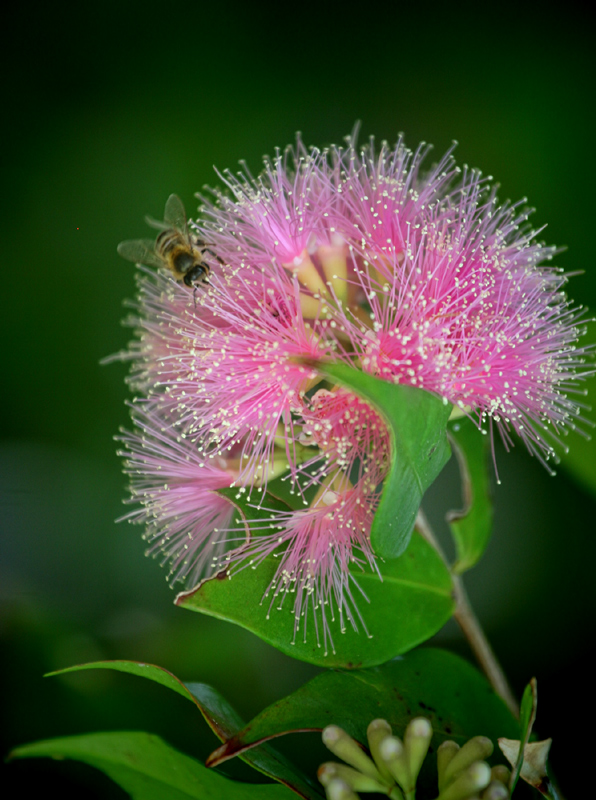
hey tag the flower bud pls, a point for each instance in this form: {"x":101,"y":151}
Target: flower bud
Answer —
{"x":476,"y":749}
{"x":343,"y":746}
{"x":468,"y":783}
{"x":416,"y":740}
{"x":326,"y":773}
{"x":336,"y":789}
{"x":445,"y":754}
{"x":495,"y":791}
{"x":501,"y":773}
{"x":377,"y":732}
{"x":354,"y":779}
{"x":393,"y":754}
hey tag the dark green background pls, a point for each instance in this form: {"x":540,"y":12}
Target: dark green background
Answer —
{"x":106,"y":111}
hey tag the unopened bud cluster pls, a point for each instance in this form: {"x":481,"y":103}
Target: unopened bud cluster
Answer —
{"x":393,"y":765}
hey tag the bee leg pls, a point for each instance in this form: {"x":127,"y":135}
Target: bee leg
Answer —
{"x":208,"y":250}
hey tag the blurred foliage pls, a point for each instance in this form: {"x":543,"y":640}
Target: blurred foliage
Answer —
{"x":149,"y":769}
{"x":110,"y":108}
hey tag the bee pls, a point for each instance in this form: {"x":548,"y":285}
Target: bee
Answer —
{"x":179,"y":251}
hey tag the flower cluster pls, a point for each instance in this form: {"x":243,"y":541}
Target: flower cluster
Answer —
{"x":352,"y":255}
{"x":393,"y":766}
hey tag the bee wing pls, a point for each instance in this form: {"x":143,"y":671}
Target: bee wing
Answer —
{"x":174,"y":214}
{"x":156,"y":223}
{"x":140,"y":251}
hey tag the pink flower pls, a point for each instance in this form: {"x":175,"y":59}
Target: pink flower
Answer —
{"x":317,"y":549}
{"x":468,"y":313}
{"x":349,"y":435}
{"x":185,"y":519}
{"x":344,"y":255}
{"x":277,"y":216}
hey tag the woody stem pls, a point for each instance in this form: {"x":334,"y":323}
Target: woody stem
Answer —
{"x":470,"y":625}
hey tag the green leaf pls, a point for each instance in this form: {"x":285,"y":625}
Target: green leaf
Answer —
{"x":417,"y":423}
{"x":432,"y":683}
{"x":407,"y":607}
{"x":471,"y":527}
{"x":527,"y":717}
{"x":221,"y":718}
{"x":148,"y":768}
{"x":142,"y":670}
{"x":216,"y":710}
{"x":281,"y":489}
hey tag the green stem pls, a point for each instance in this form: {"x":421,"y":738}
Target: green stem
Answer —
{"x":470,"y":626}
{"x":472,"y":630}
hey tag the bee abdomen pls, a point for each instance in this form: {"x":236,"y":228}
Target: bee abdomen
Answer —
{"x":167,"y":240}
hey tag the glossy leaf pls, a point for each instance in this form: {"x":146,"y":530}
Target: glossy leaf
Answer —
{"x":432,"y":683}
{"x":417,"y":423}
{"x":139,"y":668}
{"x":471,"y":527}
{"x":411,"y":603}
{"x":148,"y":768}
{"x":221,"y":718}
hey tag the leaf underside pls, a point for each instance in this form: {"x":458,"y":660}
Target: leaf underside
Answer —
{"x":471,"y":527}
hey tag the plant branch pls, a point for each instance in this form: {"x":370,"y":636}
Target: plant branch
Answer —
{"x":470,"y":625}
